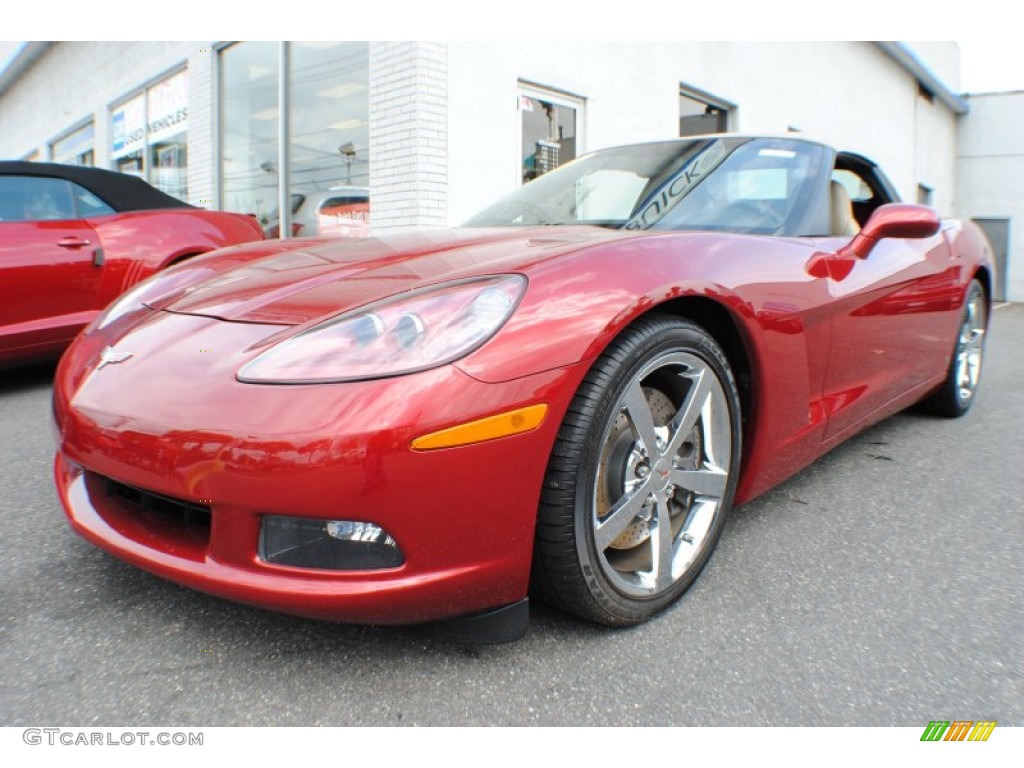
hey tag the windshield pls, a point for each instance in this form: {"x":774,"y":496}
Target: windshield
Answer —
{"x":736,"y":184}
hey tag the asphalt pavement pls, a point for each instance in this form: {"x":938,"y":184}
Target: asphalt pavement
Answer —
{"x":881,"y":586}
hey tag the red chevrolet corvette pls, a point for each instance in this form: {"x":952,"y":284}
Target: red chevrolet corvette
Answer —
{"x":72,"y":239}
{"x":564,"y":398}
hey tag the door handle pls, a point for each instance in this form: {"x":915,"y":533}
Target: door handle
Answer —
{"x":72,"y":242}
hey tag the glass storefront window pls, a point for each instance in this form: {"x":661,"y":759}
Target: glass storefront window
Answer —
{"x":150,"y":136}
{"x":167,"y":127}
{"x":549,"y":130}
{"x":128,"y":125}
{"x":330,"y":129}
{"x":77,"y":148}
{"x":328,"y":143}
{"x":249,"y":140}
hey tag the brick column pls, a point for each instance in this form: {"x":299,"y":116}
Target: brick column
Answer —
{"x":202,"y":91}
{"x":408,"y":135}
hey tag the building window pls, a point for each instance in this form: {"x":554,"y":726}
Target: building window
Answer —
{"x":329,"y":97}
{"x":167,"y":126}
{"x":551,"y":127}
{"x":700,"y":113}
{"x":150,"y":135}
{"x":924,"y":195}
{"x":76,"y":148}
{"x":328,"y":143}
{"x":128,"y":126}
{"x":249,"y":137}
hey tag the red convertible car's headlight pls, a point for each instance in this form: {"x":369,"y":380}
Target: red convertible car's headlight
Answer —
{"x":403,"y":334}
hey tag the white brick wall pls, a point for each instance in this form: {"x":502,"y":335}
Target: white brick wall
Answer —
{"x":408,"y":135}
{"x":202,"y":95}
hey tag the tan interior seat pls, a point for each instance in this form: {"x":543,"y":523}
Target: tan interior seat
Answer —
{"x":841,"y":212}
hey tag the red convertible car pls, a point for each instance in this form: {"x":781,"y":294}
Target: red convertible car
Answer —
{"x":564,"y":398}
{"x":72,"y":239}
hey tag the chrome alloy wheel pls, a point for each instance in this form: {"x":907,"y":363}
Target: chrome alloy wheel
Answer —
{"x":970,"y":347}
{"x":662,"y":474}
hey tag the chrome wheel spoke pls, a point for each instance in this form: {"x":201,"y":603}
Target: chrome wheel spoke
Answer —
{"x":697,"y":524}
{"x":621,"y":515}
{"x":708,"y":481}
{"x":970,"y":348}
{"x":638,"y":411}
{"x":663,"y":547}
{"x":686,"y":417}
{"x":975,"y":341}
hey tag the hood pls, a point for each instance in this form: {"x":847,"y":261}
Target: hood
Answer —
{"x":316,"y":278}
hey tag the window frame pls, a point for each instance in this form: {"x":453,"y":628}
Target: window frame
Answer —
{"x":553,"y":96}
{"x":697,"y":94}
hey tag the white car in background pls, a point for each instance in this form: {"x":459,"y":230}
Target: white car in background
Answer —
{"x":341,"y":211}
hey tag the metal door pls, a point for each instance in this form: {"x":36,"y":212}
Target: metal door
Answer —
{"x":998,"y":233}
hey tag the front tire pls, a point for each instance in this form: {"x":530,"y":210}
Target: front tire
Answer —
{"x":641,"y":477}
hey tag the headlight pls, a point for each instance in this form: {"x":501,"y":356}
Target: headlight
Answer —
{"x":403,"y":334}
{"x":149,"y":291}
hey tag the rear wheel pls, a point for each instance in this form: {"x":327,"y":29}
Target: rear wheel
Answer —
{"x":641,"y":477}
{"x":957,"y":393}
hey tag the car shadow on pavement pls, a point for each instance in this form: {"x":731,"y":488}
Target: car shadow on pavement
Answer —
{"x":119,"y":594}
{"x":27,"y":377}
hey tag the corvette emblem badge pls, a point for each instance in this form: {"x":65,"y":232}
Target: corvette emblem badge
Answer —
{"x":110,"y":356}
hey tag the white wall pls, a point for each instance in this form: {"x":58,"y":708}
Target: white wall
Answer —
{"x":990,"y":172}
{"x":942,"y":58}
{"x":934,"y":154}
{"x":850,"y":95}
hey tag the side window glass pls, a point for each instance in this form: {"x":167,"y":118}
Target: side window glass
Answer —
{"x":857,"y":188}
{"x":88,"y":204}
{"x":35,"y":198}
{"x":863,"y":197}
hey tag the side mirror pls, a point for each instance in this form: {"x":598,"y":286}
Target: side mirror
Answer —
{"x":893,"y":220}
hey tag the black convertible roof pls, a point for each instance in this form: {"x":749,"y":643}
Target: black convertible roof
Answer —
{"x":120,"y":191}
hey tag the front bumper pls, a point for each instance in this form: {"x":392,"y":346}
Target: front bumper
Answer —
{"x":464,"y":517}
